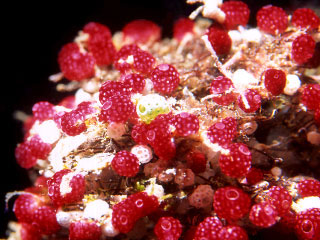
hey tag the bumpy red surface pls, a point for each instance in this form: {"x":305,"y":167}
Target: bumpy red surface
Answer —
{"x":182,"y":27}
{"x":280,"y":197}
{"x":168,"y":228}
{"x":100,"y":43}
{"x":135,"y":82}
{"x":222,"y":87}
{"x":84,"y":230}
{"x":158,"y":131}
{"x":29,"y":232}
{"x":165,"y":149}
{"x":238,"y":162}
{"x":254,"y":100}
{"x":117,"y":109}
{"x":308,"y":224}
{"x":233,"y":233}
{"x":43,"y":111}
{"x":74,"y":64}
{"x":24,"y":156}
{"x":93,"y":28}
{"x":39,"y":149}
{"x":159,"y":136}
{"x":223,"y":132}
{"x":112,"y":88}
{"x":124,"y":216}
{"x":303,"y":48}
{"x":275,"y":81}
{"x":72,"y":123}
{"x":310,"y":96}
{"x":76,"y":183}
{"x":121,"y":61}
{"x":219,"y":39}
{"x":231,"y":203}
{"x":272,"y":20}
{"x":208,"y":229}
{"x":305,"y":18}
{"x":165,"y":78}
{"x":128,"y":211}
{"x":309,"y":187}
{"x":141,"y":31}
{"x":186,"y":124}
{"x":44,"y":219}
{"x":131,"y":57}
{"x":125,"y":164}
{"x":138,"y":133}
{"x":263,"y":214}
{"x":237,"y":13}
{"x":85,"y":108}
{"x":143,"y":62}
{"x":24,"y":207}
{"x":143,"y":203}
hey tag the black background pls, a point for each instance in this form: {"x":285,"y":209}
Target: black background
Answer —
{"x":33,"y":33}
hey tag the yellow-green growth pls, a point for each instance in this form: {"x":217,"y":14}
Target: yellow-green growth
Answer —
{"x":150,"y":106}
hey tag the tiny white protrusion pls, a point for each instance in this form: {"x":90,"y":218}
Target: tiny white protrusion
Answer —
{"x":148,"y":87}
{"x":108,"y":229}
{"x":242,"y":80}
{"x":82,"y":96}
{"x":143,"y":153}
{"x":65,"y":218}
{"x":235,"y":36}
{"x":96,"y":209}
{"x":94,"y":163}
{"x":293,"y":83}
{"x":155,"y":189}
{"x":65,"y":183}
{"x":47,"y":131}
{"x":63,"y":148}
{"x":252,"y":35}
{"x":306,"y":203}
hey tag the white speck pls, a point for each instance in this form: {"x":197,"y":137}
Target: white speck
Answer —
{"x":108,"y":229}
{"x":65,"y":183}
{"x":65,"y":218}
{"x":306,"y":203}
{"x":242,"y":80}
{"x":148,"y":87}
{"x":155,"y":189}
{"x":209,"y":9}
{"x":95,"y":163}
{"x":143,"y":153}
{"x":252,"y":35}
{"x":82,"y":96}
{"x":292,"y":85}
{"x":47,"y":131}
{"x":235,"y":36}
{"x":163,"y":67}
{"x":63,"y":148}
{"x":171,"y":171}
{"x":96,"y":209}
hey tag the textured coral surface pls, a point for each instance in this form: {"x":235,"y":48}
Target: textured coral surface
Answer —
{"x":142,"y":139}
